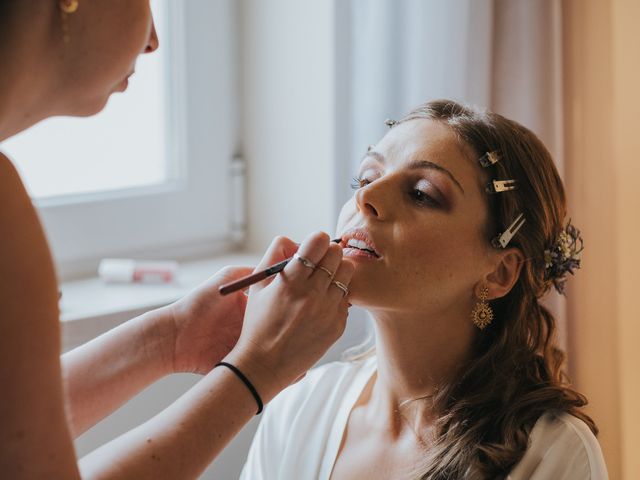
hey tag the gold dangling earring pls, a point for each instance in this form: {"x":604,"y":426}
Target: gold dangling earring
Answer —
{"x":482,"y":314}
{"x":67,"y":7}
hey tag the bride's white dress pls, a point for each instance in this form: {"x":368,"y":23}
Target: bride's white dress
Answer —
{"x":302,"y":428}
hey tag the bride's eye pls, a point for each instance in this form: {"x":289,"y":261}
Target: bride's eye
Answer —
{"x":423,"y":198}
{"x":425,"y":194}
{"x":359,"y":182}
{"x":417,"y":194}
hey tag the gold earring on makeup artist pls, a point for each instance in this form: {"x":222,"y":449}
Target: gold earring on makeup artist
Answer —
{"x":66,"y":57}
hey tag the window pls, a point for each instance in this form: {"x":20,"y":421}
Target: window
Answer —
{"x":122,"y":147}
{"x":149,"y":176}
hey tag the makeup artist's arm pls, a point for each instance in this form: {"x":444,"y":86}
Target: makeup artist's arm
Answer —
{"x":191,"y":335}
{"x":290,"y":322}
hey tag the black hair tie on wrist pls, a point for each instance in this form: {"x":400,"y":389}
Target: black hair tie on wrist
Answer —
{"x":246,"y":381}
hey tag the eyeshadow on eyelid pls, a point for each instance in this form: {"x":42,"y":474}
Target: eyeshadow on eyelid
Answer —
{"x":432,"y":189}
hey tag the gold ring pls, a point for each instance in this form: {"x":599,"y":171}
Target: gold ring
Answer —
{"x":325,"y":270}
{"x":305,"y":261}
{"x":341,"y":286}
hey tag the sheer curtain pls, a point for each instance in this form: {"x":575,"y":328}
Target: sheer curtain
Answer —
{"x":526,"y":85}
{"x":396,"y":54}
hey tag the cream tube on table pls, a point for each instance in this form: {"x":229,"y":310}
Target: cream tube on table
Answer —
{"x":125,"y":270}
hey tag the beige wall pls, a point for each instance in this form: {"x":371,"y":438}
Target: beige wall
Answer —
{"x":602,"y":80}
{"x":626,"y":126}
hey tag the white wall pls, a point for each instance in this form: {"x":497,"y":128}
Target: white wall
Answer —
{"x":288,"y":102}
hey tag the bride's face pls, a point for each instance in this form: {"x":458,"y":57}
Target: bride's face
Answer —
{"x":420,"y":205}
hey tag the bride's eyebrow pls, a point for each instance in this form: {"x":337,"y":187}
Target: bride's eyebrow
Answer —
{"x":418,"y":164}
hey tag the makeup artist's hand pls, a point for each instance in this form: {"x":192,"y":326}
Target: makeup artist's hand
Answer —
{"x":293,"y":318}
{"x":206,"y":325}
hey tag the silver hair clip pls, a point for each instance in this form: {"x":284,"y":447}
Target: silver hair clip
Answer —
{"x":390,"y":123}
{"x":502,"y":240}
{"x":497,"y":186}
{"x":489,"y":158}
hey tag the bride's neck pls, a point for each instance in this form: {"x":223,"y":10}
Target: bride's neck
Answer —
{"x":415,"y":355}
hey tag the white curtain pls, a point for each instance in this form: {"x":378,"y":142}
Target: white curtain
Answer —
{"x":396,"y":54}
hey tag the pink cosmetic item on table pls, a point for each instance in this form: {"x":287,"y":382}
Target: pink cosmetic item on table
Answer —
{"x":125,"y":270}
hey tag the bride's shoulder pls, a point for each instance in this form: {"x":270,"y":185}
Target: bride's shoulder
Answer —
{"x":564,"y":428}
{"x":559,"y":444}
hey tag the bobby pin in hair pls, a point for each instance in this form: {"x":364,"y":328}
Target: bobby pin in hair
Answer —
{"x":505,"y":237}
{"x":489,"y":158}
{"x":497,"y":186}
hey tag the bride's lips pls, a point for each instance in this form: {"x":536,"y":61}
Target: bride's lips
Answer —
{"x":357,"y":243}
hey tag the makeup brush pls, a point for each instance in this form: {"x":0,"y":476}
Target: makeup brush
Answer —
{"x":244,"y":282}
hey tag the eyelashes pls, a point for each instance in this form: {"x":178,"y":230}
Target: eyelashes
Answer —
{"x":359,"y":182}
{"x":423,"y":198}
{"x":418,"y":196}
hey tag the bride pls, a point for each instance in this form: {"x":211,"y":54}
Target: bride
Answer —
{"x":457,"y":228}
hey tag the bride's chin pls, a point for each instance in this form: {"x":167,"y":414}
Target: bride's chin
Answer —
{"x":366,"y":296}
{"x":358,"y":298}
{"x":358,"y":291}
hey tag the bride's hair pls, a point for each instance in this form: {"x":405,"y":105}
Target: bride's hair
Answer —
{"x":517,"y":370}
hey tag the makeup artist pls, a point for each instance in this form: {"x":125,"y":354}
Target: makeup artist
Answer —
{"x":66,"y":57}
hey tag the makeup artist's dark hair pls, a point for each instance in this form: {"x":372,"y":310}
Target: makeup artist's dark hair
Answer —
{"x":517,"y":370}
{"x":5,"y":10}
{"x":8,"y":10}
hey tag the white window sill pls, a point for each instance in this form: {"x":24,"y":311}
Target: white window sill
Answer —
{"x":90,"y":307}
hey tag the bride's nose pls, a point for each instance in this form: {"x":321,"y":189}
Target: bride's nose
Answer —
{"x":373,"y":199}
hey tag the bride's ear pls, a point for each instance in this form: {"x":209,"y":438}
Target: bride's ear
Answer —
{"x":508,"y":265}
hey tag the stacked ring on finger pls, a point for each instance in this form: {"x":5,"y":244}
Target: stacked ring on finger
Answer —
{"x":325,"y":270}
{"x":305,"y":261}
{"x":341,"y":286}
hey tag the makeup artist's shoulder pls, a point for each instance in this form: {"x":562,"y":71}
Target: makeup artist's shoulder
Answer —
{"x":9,"y":176}
{"x":13,"y":194}
{"x":25,"y":259}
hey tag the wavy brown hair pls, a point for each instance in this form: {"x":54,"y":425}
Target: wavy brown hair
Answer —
{"x":516,"y":372}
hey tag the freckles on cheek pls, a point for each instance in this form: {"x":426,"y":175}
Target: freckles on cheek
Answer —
{"x":423,"y":246}
{"x":430,"y":255}
{"x":414,"y":265}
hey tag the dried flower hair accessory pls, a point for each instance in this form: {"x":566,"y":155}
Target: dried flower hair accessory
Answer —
{"x":563,"y":256}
